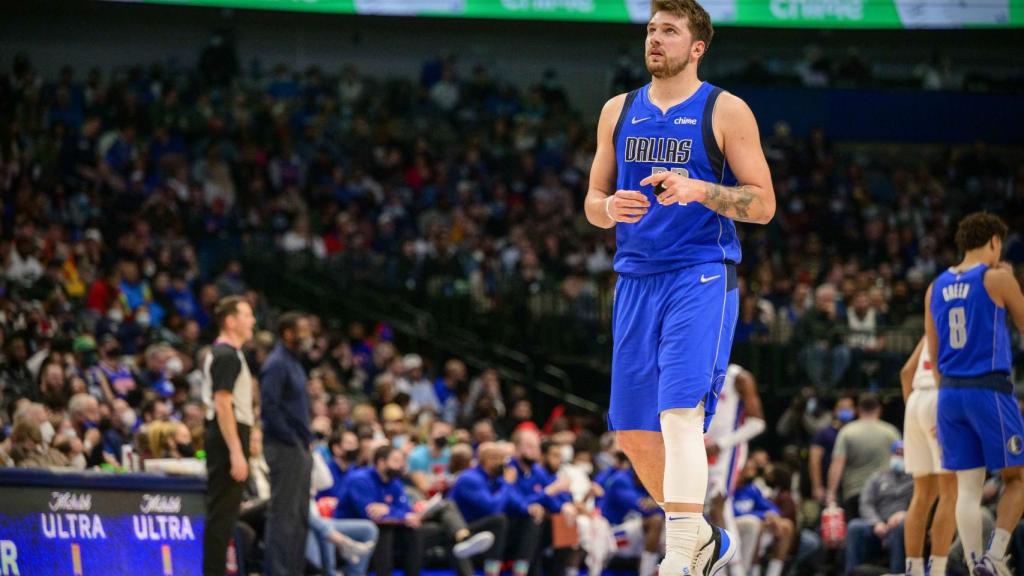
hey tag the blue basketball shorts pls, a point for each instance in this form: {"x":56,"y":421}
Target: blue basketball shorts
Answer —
{"x":672,"y":334}
{"x":979,"y":427}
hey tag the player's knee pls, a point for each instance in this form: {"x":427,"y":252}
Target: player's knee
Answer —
{"x":684,"y":420}
{"x":639,"y":444}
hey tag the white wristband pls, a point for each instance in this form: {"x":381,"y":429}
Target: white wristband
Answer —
{"x":608,"y":208}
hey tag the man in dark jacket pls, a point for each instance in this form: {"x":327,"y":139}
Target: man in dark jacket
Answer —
{"x":286,"y":440}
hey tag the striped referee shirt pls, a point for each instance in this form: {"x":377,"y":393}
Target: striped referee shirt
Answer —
{"x":226,"y":369}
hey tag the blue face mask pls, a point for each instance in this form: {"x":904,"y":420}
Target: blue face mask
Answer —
{"x":845,"y":415}
{"x":896,"y":464}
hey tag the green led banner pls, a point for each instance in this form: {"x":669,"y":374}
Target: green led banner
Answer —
{"x":768,"y":13}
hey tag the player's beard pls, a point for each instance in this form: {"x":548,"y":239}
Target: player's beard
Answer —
{"x":667,"y":67}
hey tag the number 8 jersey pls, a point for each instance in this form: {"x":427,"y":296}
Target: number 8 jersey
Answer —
{"x":682,"y":140}
{"x":974,"y":339}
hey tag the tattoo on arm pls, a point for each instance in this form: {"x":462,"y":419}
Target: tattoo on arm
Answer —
{"x":733,"y":202}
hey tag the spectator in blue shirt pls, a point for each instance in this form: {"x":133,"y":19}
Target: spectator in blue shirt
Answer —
{"x":633,"y":514}
{"x":342,"y":451}
{"x":758,"y":518}
{"x":377,"y":493}
{"x":534,"y":494}
{"x":483,"y":494}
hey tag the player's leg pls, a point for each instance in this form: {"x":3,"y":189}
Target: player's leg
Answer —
{"x":926,"y":490}
{"x":943,"y":523}
{"x":1004,"y":450}
{"x":963,"y":452}
{"x":917,"y":424}
{"x":695,"y":339}
{"x":632,"y":411}
{"x":944,"y":518}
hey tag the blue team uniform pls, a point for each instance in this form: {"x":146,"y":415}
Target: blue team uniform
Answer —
{"x":675,"y":303}
{"x":979,"y":422}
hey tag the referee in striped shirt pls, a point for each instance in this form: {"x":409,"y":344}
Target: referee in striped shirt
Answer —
{"x":228,"y":396}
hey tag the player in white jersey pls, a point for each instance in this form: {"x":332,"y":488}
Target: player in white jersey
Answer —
{"x":923,"y":458}
{"x":739,"y":418}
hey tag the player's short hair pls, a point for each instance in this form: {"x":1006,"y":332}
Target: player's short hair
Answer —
{"x":975,"y":230}
{"x":697,"y":18}
{"x":226,"y":307}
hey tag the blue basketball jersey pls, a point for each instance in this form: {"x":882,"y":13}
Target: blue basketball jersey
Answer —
{"x":974,"y":339}
{"x":682,"y":140}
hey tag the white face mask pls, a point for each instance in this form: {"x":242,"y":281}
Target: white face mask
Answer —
{"x":128,"y":419}
{"x":115,"y":315}
{"x":46,"y":429}
{"x":174,"y":366}
{"x":586,"y":467}
{"x":143,"y":320}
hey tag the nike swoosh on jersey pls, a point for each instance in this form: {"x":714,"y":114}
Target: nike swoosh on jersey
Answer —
{"x":705,"y":280}
{"x":639,"y":120}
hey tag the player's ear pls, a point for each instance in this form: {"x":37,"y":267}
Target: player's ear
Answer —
{"x":698,"y":49}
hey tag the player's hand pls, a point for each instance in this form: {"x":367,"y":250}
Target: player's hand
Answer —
{"x":239,"y":467}
{"x":1004,"y":265}
{"x":676,"y":188}
{"x":627,"y":206}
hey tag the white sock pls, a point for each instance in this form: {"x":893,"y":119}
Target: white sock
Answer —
{"x":915,"y":566}
{"x":1000,"y":539}
{"x":755,"y":570}
{"x":969,"y":484}
{"x":736,"y":570}
{"x":775,"y":567}
{"x":648,"y":560}
{"x":937,"y":566}
{"x":684,"y":533}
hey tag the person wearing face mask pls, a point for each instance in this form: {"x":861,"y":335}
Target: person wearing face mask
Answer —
{"x":884,"y":501}
{"x":155,"y":374}
{"x":820,"y":457}
{"x":287,"y":435}
{"x":111,"y":378}
{"x":377,"y":493}
{"x":428,"y":462}
{"x":340,"y":455}
{"x":482,"y":495}
{"x":29,"y":451}
{"x":123,"y":424}
{"x":861,"y":449}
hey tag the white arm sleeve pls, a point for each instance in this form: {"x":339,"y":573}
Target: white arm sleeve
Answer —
{"x":751,"y":427}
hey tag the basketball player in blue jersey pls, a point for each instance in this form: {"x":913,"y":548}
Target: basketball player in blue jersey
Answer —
{"x":979,"y":421}
{"x":677,"y":161}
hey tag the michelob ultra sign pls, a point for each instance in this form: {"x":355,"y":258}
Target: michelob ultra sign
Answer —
{"x":126,"y":525}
